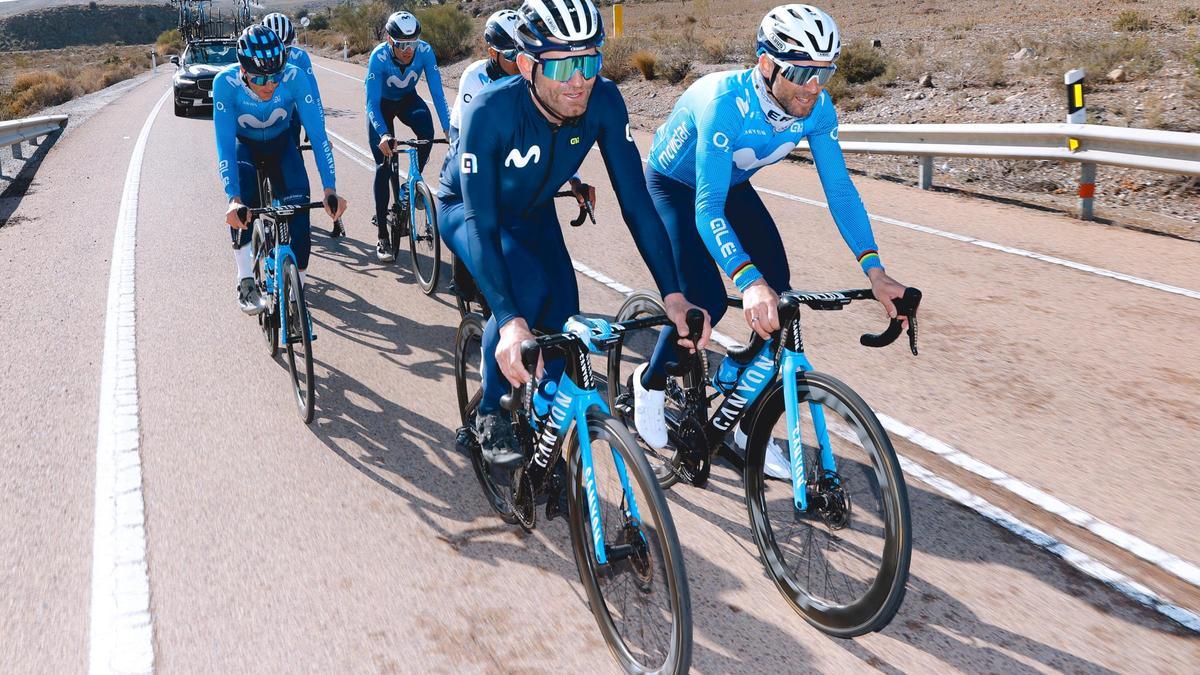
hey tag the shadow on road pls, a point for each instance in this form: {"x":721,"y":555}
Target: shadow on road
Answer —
{"x":16,"y":187}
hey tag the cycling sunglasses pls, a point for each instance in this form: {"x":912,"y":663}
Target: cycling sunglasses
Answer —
{"x":261,"y":80}
{"x":802,"y":75}
{"x":561,"y":70}
{"x":510,"y":54}
{"x":404,"y":44}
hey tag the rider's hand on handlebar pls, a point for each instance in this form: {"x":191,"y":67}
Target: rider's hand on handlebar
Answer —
{"x":886,"y":290}
{"x":341,"y":205}
{"x":677,"y":308}
{"x":583,"y":192}
{"x":385,"y":146}
{"x":761,"y":307}
{"x":231,"y":216}
{"x":508,"y":352}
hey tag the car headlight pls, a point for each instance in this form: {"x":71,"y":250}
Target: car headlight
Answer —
{"x":184,"y":80}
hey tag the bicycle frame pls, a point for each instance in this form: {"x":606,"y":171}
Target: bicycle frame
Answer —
{"x":554,"y":411}
{"x":412,"y":176}
{"x":282,"y":250}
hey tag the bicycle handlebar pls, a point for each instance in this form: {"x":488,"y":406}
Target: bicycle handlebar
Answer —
{"x":586,"y":209}
{"x":286,"y":209}
{"x":418,"y":142}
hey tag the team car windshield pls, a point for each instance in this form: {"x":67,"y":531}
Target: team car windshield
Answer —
{"x":213,"y":55}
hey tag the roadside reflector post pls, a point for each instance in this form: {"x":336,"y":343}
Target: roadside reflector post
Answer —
{"x":153,"y":60}
{"x":925,"y":176}
{"x":1077,"y":114}
{"x":345,"y":50}
{"x":618,"y":19}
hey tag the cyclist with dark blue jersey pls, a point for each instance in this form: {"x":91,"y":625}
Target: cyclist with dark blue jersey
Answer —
{"x":394,"y":69}
{"x":253,"y":102}
{"x":723,"y":129}
{"x":496,"y":202}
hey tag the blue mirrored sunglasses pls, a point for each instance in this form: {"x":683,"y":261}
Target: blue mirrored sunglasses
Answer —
{"x":561,"y":70}
{"x":260,"y":80}
{"x":802,"y":75}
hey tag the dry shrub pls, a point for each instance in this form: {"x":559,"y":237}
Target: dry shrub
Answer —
{"x":618,"y":53}
{"x":676,"y":69}
{"x":1129,"y":21}
{"x":645,"y":62}
{"x":446,"y":28}
{"x":1137,"y":54}
{"x":28,"y":81}
{"x":169,"y":42}
{"x":873,"y":90}
{"x":115,"y":74}
{"x":1187,"y":16}
{"x":860,"y":62}
{"x":714,"y":50}
{"x":994,"y":74}
{"x":49,"y":89}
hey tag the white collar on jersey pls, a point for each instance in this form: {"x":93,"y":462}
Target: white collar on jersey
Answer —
{"x":774,"y":112}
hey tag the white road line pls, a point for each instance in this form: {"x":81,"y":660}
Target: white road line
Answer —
{"x":983,"y":243}
{"x":349,"y":77}
{"x":1168,"y":562}
{"x":122,"y":633}
{"x":1110,"y":533}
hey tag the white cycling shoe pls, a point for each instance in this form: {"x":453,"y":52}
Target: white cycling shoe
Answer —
{"x":649,"y":412}
{"x":775,"y":464}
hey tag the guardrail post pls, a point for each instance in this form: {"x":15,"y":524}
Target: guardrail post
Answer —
{"x":1077,"y":114}
{"x":1087,"y":190}
{"x":925,"y":176}
{"x":16,"y":148}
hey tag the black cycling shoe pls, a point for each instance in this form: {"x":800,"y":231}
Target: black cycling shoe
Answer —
{"x":339,"y":230}
{"x":497,"y":442}
{"x":250,"y":300}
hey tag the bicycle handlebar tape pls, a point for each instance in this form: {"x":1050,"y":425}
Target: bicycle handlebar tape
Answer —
{"x":905,"y":306}
{"x":529,"y":355}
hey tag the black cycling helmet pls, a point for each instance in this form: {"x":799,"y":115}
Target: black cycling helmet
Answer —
{"x":260,"y":51}
{"x":402,"y":26}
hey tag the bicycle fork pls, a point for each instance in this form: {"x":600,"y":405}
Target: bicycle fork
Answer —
{"x":796,"y":362}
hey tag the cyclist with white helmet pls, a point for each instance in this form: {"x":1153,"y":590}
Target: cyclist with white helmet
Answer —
{"x":722,"y":130}
{"x":496,"y":202}
{"x":254,"y":101}
{"x":395,"y":67}
{"x":500,"y":35}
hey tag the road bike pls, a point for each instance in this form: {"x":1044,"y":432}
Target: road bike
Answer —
{"x":467,"y":296}
{"x":424,"y":243}
{"x":830,"y":516}
{"x":626,"y":549}
{"x":277,"y":276}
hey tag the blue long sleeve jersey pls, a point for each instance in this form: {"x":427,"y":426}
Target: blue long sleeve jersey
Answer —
{"x":300,"y":58}
{"x":724,"y":129}
{"x":388,"y":79}
{"x":237,"y":112}
{"x":510,"y":160}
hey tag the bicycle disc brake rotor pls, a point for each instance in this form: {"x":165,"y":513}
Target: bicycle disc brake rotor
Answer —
{"x":639,"y":558}
{"x":830,"y":501}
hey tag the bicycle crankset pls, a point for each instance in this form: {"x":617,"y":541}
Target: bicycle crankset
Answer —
{"x":695,"y":463}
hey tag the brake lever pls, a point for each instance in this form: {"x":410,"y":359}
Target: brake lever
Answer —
{"x":905,"y":306}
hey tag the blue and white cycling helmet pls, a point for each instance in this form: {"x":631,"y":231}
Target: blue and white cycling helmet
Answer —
{"x":799,"y":33}
{"x":501,"y":30}
{"x":402,"y":26}
{"x":260,"y":51}
{"x":559,"y":25}
{"x":281,"y":25}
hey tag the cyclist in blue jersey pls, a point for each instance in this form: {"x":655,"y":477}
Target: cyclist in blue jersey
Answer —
{"x":496,"y":201}
{"x":395,"y":67}
{"x":253,"y":102}
{"x":723,"y":129}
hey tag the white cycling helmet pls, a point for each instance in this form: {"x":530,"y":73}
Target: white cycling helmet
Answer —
{"x":403,"y":26}
{"x":501,"y":30}
{"x":282,"y":27}
{"x":559,"y":25}
{"x":799,"y":33}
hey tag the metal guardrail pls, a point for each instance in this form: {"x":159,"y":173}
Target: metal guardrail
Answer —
{"x":1087,"y":144}
{"x":14,"y":132}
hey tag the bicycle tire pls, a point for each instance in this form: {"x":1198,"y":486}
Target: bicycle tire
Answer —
{"x":297,"y":313}
{"x":426,"y":236}
{"x":664,"y":463}
{"x":677,"y":656}
{"x":467,"y":340}
{"x":268,"y":319}
{"x":885,"y":593}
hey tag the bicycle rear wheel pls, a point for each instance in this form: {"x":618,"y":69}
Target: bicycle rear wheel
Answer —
{"x":639,"y":596}
{"x":843,"y":562}
{"x":468,"y":356}
{"x":268,"y":319}
{"x":424,"y":244}
{"x":625,"y":357}
{"x":299,"y":341}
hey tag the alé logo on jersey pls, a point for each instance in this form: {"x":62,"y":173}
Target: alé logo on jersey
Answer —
{"x":720,"y":230}
{"x":521,"y":160}
{"x":400,"y":83}
{"x":248,"y":120}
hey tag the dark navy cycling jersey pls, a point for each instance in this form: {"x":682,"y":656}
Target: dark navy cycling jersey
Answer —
{"x":390,"y":80}
{"x":239,"y":114}
{"x":725,"y":128}
{"x":509,"y":159}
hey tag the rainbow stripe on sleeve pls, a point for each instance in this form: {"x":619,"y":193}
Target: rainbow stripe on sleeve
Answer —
{"x":744,"y":269}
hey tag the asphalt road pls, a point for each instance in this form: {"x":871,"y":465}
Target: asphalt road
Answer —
{"x":362,"y":543}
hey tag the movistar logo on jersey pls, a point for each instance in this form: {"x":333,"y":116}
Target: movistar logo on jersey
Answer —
{"x":743,"y":106}
{"x":248,"y":120}
{"x":678,"y":138}
{"x":522,"y":160}
{"x":833,"y":133}
{"x":289,"y":74}
{"x":400,"y":83}
{"x":746,"y":160}
{"x":469,"y":163}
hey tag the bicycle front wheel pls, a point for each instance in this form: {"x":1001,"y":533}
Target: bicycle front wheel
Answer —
{"x":424,"y":244}
{"x":842,"y":562}
{"x":299,"y":341}
{"x":639,"y":595}
{"x":268,"y":319}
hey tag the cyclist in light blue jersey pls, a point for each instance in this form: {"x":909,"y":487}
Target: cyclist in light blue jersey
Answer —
{"x":393,"y":71}
{"x":722,"y":130}
{"x":253,"y":103}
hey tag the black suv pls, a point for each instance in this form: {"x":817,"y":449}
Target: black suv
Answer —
{"x":194,"y":80}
